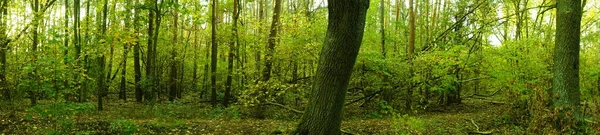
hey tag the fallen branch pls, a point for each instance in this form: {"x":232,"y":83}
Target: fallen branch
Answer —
{"x":365,"y":97}
{"x":285,"y":107}
{"x":481,"y":132}
{"x":477,"y":129}
{"x":494,"y":102}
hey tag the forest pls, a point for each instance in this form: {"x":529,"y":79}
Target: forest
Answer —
{"x":318,"y":67}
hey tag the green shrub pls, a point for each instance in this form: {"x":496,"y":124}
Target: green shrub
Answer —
{"x":123,"y":127}
{"x":404,"y":124}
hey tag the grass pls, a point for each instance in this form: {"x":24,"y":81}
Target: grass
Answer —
{"x":179,"y":118}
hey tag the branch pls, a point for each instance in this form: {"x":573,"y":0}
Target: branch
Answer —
{"x":477,"y":129}
{"x":474,"y":79}
{"x":34,"y":18}
{"x":365,"y":97}
{"x":285,"y":107}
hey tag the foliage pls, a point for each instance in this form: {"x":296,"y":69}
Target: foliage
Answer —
{"x":123,"y":127}
{"x":404,"y":124}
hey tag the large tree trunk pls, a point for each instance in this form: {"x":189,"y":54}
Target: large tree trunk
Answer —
{"x":565,"y":81}
{"x":342,"y":42}
{"x":213,"y":57}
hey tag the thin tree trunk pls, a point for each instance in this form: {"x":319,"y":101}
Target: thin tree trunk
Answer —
{"x":36,"y":19}
{"x":411,"y":51}
{"x":213,"y":58}
{"x":173,"y":83}
{"x":136,"y":58}
{"x":4,"y":41}
{"x":231,"y":51}
{"x":343,"y":39}
{"x":100,"y":60}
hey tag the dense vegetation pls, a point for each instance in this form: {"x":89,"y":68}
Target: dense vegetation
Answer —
{"x":299,"y":66}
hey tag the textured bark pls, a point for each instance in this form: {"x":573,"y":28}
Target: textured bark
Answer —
{"x":565,"y":81}
{"x":136,"y":59}
{"x":213,"y":57}
{"x":342,"y":42}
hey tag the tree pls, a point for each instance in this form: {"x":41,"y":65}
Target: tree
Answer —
{"x":77,"y":43}
{"x":123,"y":84}
{"x":232,"y":47}
{"x":213,"y":56}
{"x":136,"y":57}
{"x":3,"y":49}
{"x":565,"y":81}
{"x":344,"y":35}
{"x":100,"y":60}
{"x":173,"y":82}
{"x":411,"y":49}
{"x":36,"y":22}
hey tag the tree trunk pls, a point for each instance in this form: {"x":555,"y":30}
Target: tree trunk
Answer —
{"x":77,"y":44}
{"x":123,"y":85}
{"x":136,"y":58}
{"x":342,"y":42}
{"x":411,"y":51}
{"x":565,"y":81}
{"x":149,"y":92}
{"x":100,"y":60}
{"x":36,"y":21}
{"x":231,"y":51}
{"x":4,"y":41}
{"x":213,"y":58}
{"x":173,"y":83}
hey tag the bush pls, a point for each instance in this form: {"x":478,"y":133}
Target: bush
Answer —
{"x":123,"y":127}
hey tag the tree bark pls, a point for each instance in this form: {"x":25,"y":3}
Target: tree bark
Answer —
{"x":173,"y":82}
{"x":136,"y":58}
{"x":565,"y":81}
{"x":123,"y":84}
{"x":232,"y":46}
{"x":4,"y":41}
{"x":36,"y":21}
{"x":149,"y":94}
{"x":411,"y":51}
{"x":342,"y":42}
{"x":213,"y":58}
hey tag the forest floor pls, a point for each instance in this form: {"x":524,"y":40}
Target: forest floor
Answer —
{"x":472,"y":116}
